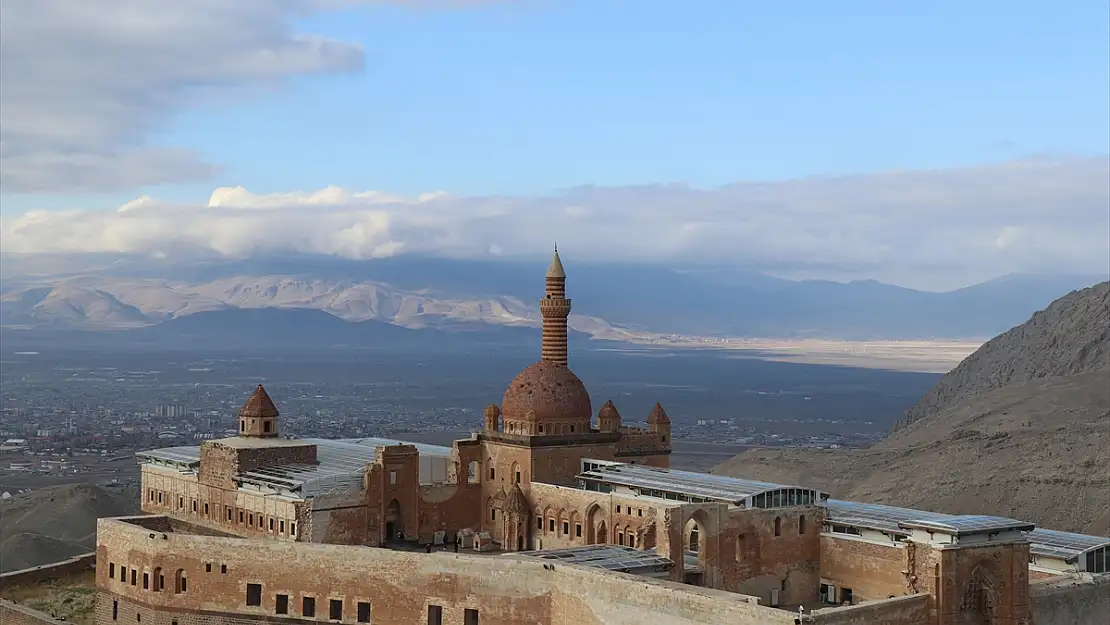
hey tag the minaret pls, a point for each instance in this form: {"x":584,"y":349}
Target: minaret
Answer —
{"x":555,"y":307}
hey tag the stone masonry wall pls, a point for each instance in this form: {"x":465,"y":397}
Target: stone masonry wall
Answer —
{"x":1079,"y":600}
{"x":907,"y":610}
{"x":871,"y":571}
{"x":399,"y":586}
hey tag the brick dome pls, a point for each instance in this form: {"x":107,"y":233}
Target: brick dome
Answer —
{"x":546,"y":391}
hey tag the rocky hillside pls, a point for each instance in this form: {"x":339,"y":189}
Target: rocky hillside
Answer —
{"x":1071,"y":336}
{"x":59,"y":522}
{"x":1021,"y":429}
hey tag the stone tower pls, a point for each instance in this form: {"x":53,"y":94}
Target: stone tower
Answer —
{"x":258,"y":417}
{"x":493,"y":418}
{"x":608,"y":419}
{"x":555,"y":308}
{"x":659,"y":422}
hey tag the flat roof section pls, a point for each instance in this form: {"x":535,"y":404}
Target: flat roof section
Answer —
{"x":877,"y":517}
{"x":608,"y":557}
{"x":966,"y":525}
{"x":1063,"y":545}
{"x":703,"y":485}
{"x":186,"y":457}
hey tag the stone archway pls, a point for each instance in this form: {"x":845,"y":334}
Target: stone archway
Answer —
{"x":977,"y":600}
{"x":602,"y":533}
{"x":593,"y":517}
{"x":392,"y":521}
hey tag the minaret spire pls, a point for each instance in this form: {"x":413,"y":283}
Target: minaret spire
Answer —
{"x":555,"y":308}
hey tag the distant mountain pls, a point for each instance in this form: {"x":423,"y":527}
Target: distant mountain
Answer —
{"x":610,"y":300}
{"x":1021,"y":428}
{"x":260,"y":329}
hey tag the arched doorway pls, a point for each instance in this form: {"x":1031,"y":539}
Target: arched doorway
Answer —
{"x":977,"y":600}
{"x":602,"y":533}
{"x":393,"y":525}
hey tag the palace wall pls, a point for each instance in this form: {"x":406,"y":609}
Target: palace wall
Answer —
{"x":205,"y":580}
{"x":12,"y":613}
{"x":1077,"y":600}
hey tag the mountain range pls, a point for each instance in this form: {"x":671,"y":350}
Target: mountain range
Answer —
{"x":49,"y":293}
{"x":1020,"y":429}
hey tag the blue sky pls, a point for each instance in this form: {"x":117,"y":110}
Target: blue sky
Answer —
{"x":532,"y":97}
{"x":996,"y":114}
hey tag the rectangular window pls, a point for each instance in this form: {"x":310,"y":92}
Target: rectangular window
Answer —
{"x":254,"y":594}
{"x":134,"y":577}
{"x":260,"y":521}
{"x":566,"y":528}
{"x":112,"y":570}
{"x":518,"y":477}
{"x":539,"y":523}
{"x":435,"y":615}
{"x":205,"y":509}
{"x":308,"y":607}
{"x":123,"y":574}
{"x":335,"y":609}
{"x":470,"y":617}
{"x":578,"y":530}
{"x":229,"y":513}
{"x":271,"y":525}
{"x":292,"y":529}
{"x":240,"y":517}
{"x":207,"y":567}
{"x":223,"y":569}
{"x":180,"y":502}
{"x":281,"y":526}
{"x":618,"y":509}
{"x":551,"y":525}
{"x":281,"y":604}
{"x":493,"y":514}
{"x":159,"y":497}
{"x":363,"y":611}
{"x":251,"y":518}
{"x":146,"y":581}
{"x":115,"y":609}
{"x":194,"y":506}
{"x":392,"y":477}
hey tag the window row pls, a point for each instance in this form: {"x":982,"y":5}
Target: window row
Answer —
{"x":151,"y":580}
{"x":232,"y":516}
{"x":335,"y":608}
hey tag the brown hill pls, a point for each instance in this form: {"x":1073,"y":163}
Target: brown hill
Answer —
{"x":58,"y":522}
{"x":1070,"y":336}
{"x":1005,"y":433}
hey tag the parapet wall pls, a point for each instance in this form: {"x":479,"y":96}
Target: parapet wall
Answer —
{"x":12,"y":613}
{"x":36,"y":574}
{"x":1078,"y":600}
{"x":398,"y":586}
{"x":905,"y":610}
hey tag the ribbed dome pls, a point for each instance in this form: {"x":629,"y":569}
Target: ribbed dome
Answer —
{"x":546,"y":391}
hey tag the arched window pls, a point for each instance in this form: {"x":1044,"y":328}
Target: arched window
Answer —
{"x":695,"y":540}
{"x":159,"y":580}
{"x":741,"y":546}
{"x":802,"y":524}
{"x":778,"y":526}
{"x":180,"y":581}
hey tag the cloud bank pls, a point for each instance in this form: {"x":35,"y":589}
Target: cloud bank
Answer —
{"x":1032,"y":215}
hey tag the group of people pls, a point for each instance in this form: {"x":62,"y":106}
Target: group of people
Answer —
{"x":428,"y":547}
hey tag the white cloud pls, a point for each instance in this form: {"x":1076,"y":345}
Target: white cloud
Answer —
{"x":84,"y":83}
{"x":963,"y":223}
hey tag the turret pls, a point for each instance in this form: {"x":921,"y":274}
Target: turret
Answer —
{"x":608,"y":419}
{"x":659,"y":421}
{"x":258,"y":416}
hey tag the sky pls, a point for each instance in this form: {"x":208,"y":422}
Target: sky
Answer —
{"x":927,"y":144}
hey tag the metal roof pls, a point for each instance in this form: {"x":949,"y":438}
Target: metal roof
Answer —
{"x":187,"y":456}
{"x":1063,"y":545}
{"x":970,"y":524}
{"x":890,"y":519}
{"x":704,"y":485}
{"x":608,"y":557}
{"x":340,"y":463}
